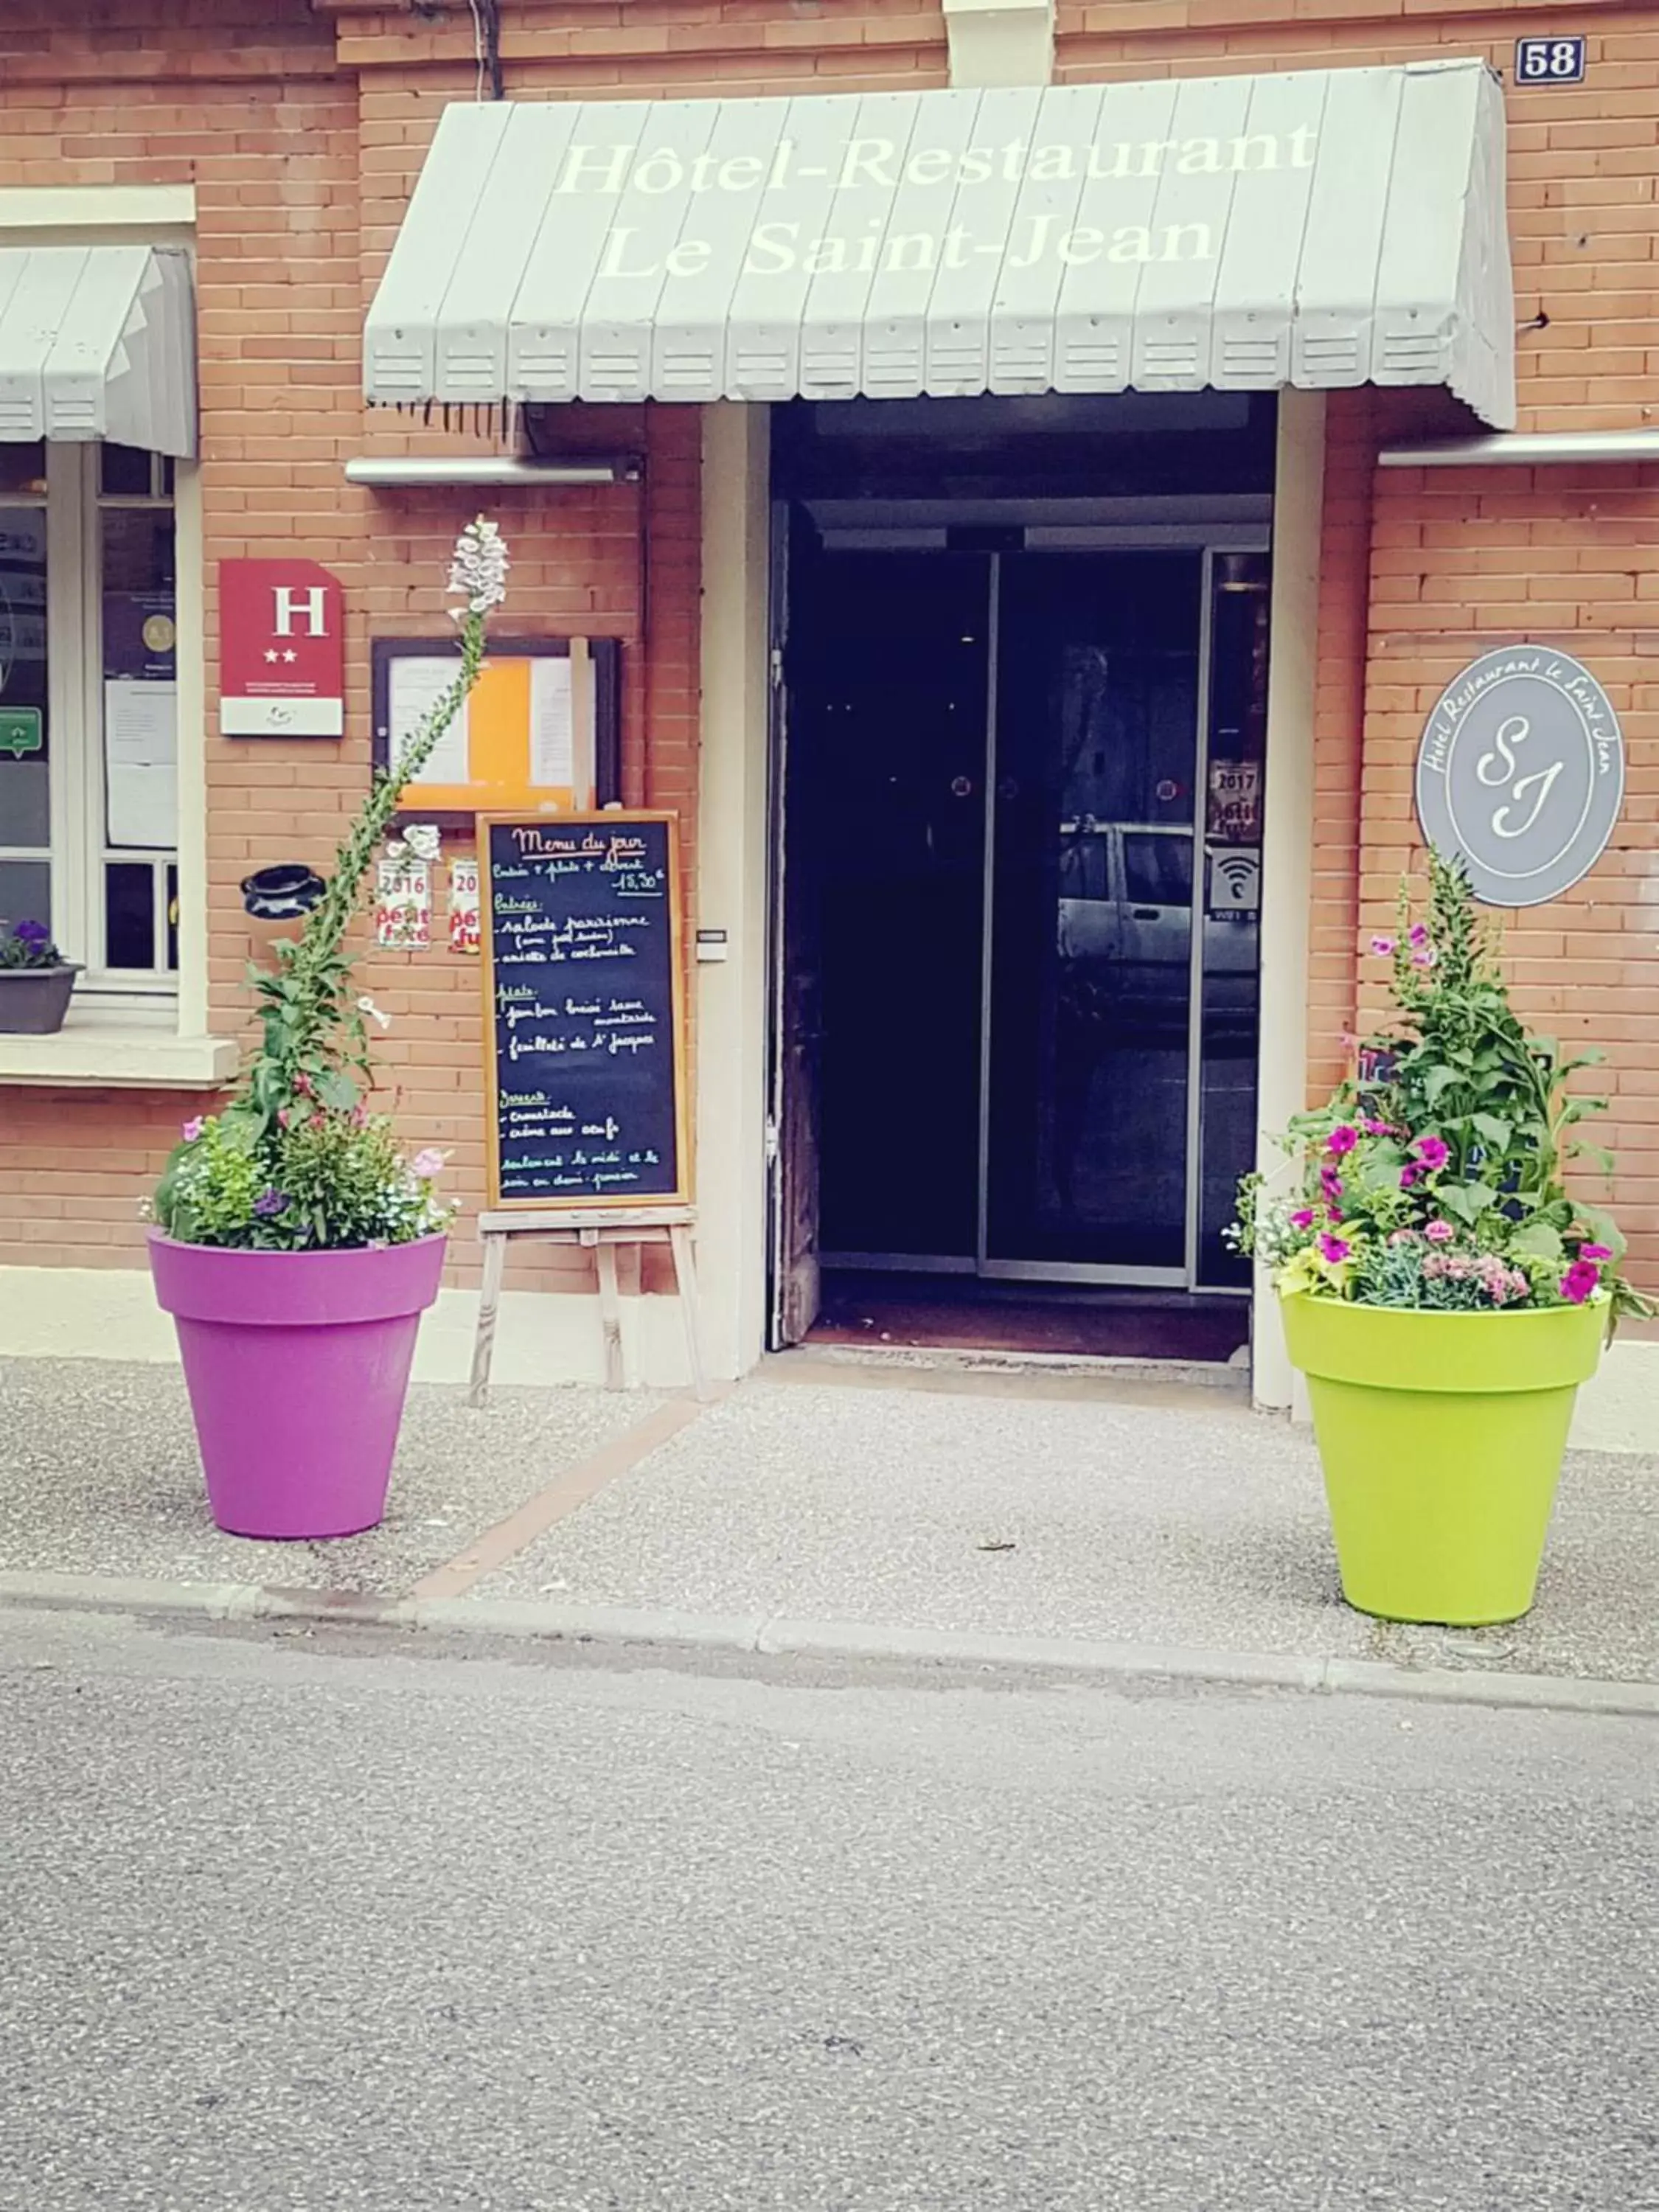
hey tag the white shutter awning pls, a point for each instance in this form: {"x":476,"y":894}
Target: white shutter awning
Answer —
{"x":1319,"y":228}
{"x":98,"y":342}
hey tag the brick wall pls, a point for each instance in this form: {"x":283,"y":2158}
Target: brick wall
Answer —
{"x":1423,"y":569}
{"x":242,"y":99}
{"x":302,"y":127}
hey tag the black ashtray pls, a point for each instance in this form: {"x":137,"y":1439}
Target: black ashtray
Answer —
{"x":282,"y":893}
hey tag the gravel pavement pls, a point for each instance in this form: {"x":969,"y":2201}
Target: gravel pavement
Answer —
{"x":100,"y":1475}
{"x":1003,"y":1505}
{"x":1013,"y":1511}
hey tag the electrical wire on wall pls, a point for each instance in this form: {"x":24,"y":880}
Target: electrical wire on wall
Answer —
{"x":642,"y":794}
{"x":486,"y":46}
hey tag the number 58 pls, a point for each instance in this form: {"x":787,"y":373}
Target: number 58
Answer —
{"x":1549,"y":60}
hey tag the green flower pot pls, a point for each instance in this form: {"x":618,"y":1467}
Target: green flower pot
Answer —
{"x":1440,"y":1436}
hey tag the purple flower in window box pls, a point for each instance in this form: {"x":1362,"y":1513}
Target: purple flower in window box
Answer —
{"x":28,"y":944}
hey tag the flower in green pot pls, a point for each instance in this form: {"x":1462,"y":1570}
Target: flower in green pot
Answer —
{"x":296,"y":1240}
{"x":35,"y":980}
{"x":1444,"y":1290}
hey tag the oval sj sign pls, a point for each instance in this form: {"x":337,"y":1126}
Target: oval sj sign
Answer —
{"x":1521,"y":772}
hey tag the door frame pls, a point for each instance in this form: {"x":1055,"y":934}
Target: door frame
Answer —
{"x":1156,"y":526}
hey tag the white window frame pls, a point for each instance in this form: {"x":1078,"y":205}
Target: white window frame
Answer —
{"x":125,"y":1037}
{"x":75,"y":693}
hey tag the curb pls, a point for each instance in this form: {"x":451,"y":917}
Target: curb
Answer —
{"x":776,"y":1636}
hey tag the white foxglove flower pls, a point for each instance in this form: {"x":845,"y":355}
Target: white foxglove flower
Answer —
{"x":367,"y":1006}
{"x":396,"y":849}
{"x":478,"y":571}
{"x":424,"y":840}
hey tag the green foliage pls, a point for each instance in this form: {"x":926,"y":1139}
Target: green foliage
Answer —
{"x":1437,"y":1177}
{"x":323,"y":1181}
{"x":1462,"y":1064}
{"x":1408,"y":1270}
{"x":296,"y":1162}
{"x":208,"y":1188}
{"x":312,"y":1027}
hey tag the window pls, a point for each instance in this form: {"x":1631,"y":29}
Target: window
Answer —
{"x":89,"y":707}
{"x":1157,"y":867}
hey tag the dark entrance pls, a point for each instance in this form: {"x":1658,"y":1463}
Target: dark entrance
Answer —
{"x":1021,"y":763}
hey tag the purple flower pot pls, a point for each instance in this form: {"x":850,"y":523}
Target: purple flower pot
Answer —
{"x":297,"y":1365}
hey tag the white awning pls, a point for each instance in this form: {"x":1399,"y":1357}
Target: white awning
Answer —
{"x":98,"y":342}
{"x":1315,"y":228}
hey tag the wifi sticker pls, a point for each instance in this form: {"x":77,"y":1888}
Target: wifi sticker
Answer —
{"x":1235,"y":880}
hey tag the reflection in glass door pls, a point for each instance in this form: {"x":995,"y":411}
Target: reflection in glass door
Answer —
{"x":1090,"y":971}
{"x":1031,"y":802}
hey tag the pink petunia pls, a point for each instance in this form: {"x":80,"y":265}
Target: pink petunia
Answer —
{"x":1595,"y":1251}
{"x":1344,"y":1138}
{"x":1580,"y":1280}
{"x":1333,"y":1249}
{"x":192,"y":1129}
{"x":1411,"y":1175}
{"x":1439,"y":1232}
{"x":1302,"y":1217}
{"x":1433,"y":1152}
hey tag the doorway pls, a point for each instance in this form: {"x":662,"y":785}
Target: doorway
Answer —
{"x":1018,"y":861}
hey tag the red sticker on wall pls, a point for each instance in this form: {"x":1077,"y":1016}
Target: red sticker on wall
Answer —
{"x":282,"y":650}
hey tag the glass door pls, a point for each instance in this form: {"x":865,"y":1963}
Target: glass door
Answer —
{"x":889,"y":653}
{"x":1025,"y":800}
{"x":1089,"y":971}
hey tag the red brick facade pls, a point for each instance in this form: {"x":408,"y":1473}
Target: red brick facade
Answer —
{"x":301,"y":124}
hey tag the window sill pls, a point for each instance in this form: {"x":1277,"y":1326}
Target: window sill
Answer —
{"x":104,"y":1049}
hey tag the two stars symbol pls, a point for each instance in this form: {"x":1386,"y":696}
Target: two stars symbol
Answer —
{"x":272,"y":653}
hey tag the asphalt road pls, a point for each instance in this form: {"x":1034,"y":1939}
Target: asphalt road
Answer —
{"x":291,"y":1924}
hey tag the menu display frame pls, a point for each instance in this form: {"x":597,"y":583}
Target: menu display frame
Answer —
{"x":588,"y":822}
{"x":509,"y":786}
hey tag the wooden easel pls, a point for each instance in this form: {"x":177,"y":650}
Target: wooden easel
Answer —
{"x":600,"y":1229}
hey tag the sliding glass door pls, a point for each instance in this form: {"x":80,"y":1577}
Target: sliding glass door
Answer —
{"x":1028,"y":797}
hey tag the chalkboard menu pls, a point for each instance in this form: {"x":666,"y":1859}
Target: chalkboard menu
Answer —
{"x":583,"y":1019}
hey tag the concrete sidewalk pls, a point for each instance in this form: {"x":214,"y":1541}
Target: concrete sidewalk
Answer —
{"x":980,"y":1509}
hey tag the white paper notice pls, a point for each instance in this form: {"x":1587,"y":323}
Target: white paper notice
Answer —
{"x":140,"y":763}
{"x":552,"y":739}
{"x":415,"y":687}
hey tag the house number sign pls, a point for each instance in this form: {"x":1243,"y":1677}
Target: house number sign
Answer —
{"x":1521,"y":771}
